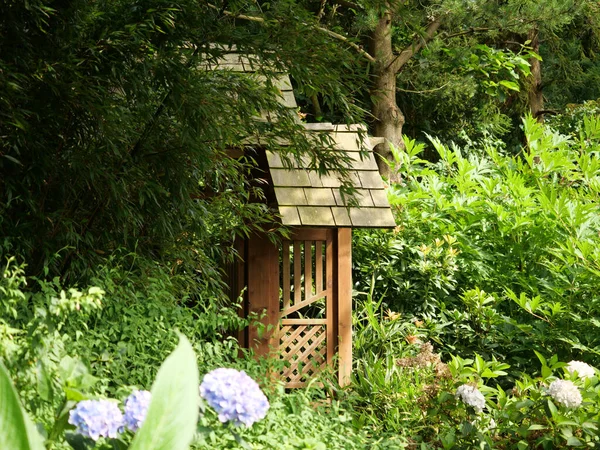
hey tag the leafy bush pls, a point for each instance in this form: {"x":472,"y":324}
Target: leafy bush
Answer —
{"x":496,"y":254}
{"x":402,"y":388}
{"x":62,"y":347}
{"x":50,"y":336}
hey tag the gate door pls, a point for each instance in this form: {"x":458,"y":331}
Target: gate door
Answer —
{"x":307,"y":310}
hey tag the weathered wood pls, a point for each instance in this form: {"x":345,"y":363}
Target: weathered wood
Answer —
{"x":297,"y":272}
{"x":302,"y":341}
{"x":263,"y":291}
{"x":344,"y":302}
{"x":304,"y":358}
{"x":286,"y":281}
{"x":303,"y":303}
{"x":303,"y":321}
{"x":310,"y":234}
{"x":307,"y":270}
{"x":318,"y":266}
{"x":288,"y":339}
{"x":329,"y":282}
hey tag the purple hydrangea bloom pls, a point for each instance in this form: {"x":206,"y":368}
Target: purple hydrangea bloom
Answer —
{"x":96,"y":418}
{"x":235,"y":396}
{"x":136,"y":408}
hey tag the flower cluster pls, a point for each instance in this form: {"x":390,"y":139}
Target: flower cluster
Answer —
{"x":103,"y":418}
{"x":470,"y":395}
{"x":234,"y":396}
{"x":136,"y":408}
{"x":583,"y":370}
{"x":565,"y":393}
{"x":96,"y":418}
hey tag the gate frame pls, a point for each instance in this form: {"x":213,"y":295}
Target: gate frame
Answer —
{"x":259,"y":271}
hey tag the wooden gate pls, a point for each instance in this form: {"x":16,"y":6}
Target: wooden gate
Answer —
{"x":307,"y":334}
{"x":302,"y":290}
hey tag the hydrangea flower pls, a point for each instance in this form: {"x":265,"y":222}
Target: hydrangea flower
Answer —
{"x":234,"y":396}
{"x":471,"y":396}
{"x":583,"y":370}
{"x":136,"y":408}
{"x":565,"y":393}
{"x":96,"y":418}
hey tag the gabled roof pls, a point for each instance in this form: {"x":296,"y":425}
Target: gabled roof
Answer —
{"x":305,"y":198}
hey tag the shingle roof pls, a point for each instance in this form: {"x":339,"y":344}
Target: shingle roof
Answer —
{"x":305,"y":198}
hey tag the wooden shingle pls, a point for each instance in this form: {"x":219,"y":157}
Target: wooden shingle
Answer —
{"x":305,"y":197}
{"x":317,"y":197}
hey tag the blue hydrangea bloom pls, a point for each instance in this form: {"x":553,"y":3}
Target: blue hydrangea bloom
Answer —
{"x":136,"y":407}
{"x":234,"y":396}
{"x":96,"y":418}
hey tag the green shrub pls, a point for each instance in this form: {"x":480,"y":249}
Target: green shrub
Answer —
{"x":496,"y":254}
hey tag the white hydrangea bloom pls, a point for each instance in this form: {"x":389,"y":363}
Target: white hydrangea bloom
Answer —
{"x":565,"y":393}
{"x":583,"y":370}
{"x":470,"y":395}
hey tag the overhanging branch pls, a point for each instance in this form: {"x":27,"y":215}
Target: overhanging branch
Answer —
{"x":404,"y":56}
{"x":324,"y":30}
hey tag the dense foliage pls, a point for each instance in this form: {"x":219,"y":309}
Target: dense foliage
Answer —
{"x":504,"y":248}
{"x":476,"y":319}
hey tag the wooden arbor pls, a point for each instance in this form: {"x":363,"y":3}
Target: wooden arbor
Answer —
{"x":303,"y":285}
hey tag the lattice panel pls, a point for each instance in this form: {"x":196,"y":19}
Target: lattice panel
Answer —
{"x":305,"y":348}
{"x":306,"y":339}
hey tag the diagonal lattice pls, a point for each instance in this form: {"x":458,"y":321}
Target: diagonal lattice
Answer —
{"x":305,"y":348}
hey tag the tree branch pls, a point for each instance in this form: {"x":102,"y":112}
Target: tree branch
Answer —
{"x":469,"y":31}
{"x":342,"y":38}
{"x":330,"y":33}
{"x":415,"y":47}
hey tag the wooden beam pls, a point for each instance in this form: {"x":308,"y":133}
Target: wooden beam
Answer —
{"x":330,"y":264}
{"x":344,"y":303}
{"x":263,"y":293}
{"x":310,"y":234}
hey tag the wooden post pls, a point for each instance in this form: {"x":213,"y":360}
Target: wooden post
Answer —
{"x":263,"y":293}
{"x":344,"y":298}
{"x":237,"y":282}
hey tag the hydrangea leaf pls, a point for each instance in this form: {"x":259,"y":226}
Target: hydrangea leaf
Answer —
{"x":17,"y":431}
{"x":173,"y":412}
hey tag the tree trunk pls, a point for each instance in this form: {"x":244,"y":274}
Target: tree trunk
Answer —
{"x":536,"y":98}
{"x":389,"y":118}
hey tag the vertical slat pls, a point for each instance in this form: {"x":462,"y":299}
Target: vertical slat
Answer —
{"x":318,"y":266}
{"x":263,"y":291}
{"x":344,"y":300}
{"x":307,"y":269}
{"x":297,"y":272}
{"x":329,"y":283}
{"x":285,"y":260}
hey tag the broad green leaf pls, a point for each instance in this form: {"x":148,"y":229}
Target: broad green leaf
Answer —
{"x":510,"y":85}
{"x":13,"y":433}
{"x":574,"y":442}
{"x":17,"y":432}
{"x":541,"y":358}
{"x":36,"y":442}
{"x":44,"y":383}
{"x":173,"y":411}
